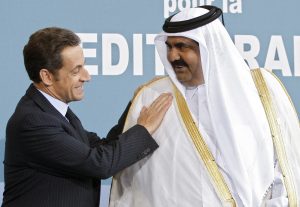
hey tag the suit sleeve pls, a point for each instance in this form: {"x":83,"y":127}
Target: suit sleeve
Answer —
{"x":113,"y":133}
{"x":50,"y":148}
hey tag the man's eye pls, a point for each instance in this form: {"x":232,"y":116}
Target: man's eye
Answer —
{"x":76,"y":71}
{"x":183,"y":46}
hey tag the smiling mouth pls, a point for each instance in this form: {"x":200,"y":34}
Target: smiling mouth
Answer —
{"x":79,"y":87}
{"x":178,"y":68}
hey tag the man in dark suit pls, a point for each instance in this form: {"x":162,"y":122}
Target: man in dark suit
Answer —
{"x":50,"y":159}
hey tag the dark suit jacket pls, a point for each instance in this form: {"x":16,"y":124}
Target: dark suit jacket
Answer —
{"x":50,"y":164}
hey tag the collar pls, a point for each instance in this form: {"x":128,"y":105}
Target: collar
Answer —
{"x":58,"y":104}
{"x":200,"y":90}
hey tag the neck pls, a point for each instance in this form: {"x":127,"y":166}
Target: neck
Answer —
{"x":43,"y":87}
{"x":192,"y":86}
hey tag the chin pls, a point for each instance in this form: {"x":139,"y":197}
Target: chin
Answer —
{"x":78,"y":98}
{"x":181,"y":80}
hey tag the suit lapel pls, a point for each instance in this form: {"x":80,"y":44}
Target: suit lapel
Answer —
{"x":75,"y":122}
{"x":77,"y":131}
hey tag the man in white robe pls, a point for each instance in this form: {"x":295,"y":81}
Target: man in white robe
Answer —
{"x":230,"y":136}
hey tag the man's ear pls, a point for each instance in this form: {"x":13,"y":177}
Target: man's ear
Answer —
{"x":46,"y":77}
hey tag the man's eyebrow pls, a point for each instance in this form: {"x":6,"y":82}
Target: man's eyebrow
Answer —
{"x":177,"y":44}
{"x":183,"y":43}
{"x":79,"y":66}
{"x":180,"y":44}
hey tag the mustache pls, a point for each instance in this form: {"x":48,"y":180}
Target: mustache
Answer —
{"x":179,"y":62}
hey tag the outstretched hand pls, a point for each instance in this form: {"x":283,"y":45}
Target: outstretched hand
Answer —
{"x":152,"y":116}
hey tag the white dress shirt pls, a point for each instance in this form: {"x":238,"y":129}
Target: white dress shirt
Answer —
{"x":60,"y":106}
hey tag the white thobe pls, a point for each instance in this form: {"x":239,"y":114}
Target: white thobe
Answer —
{"x":276,"y":196}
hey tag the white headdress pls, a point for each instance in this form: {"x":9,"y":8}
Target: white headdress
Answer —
{"x":238,"y":118}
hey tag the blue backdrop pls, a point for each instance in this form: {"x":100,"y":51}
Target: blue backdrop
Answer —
{"x":118,"y":41}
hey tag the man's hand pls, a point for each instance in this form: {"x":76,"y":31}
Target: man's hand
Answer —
{"x":152,"y":116}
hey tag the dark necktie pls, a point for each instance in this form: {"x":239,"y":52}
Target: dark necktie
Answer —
{"x":74,"y":121}
{"x":72,"y":118}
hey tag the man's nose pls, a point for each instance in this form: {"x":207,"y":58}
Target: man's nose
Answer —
{"x":173,"y":55}
{"x":85,"y":76}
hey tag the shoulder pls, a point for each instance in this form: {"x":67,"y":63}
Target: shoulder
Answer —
{"x":266,"y":73}
{"x":28,"y":115}
{"x":269,"y":78}
{"x":268,"y":81}
{"x":158,"y":82}
{"x":159,"y":85}
{"x":31,"y":121}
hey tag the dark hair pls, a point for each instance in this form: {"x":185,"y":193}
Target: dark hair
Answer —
{"x":44,"y":48}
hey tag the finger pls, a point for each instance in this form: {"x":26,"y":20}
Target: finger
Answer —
{"x":159,"y":100}
{"x":165,"y":105}
{"x":143,"y":110}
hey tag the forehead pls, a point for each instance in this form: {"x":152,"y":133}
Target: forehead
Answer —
{"x":72,"y":57}
{"x":180,"y":39}
{"x":72,"y":52}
